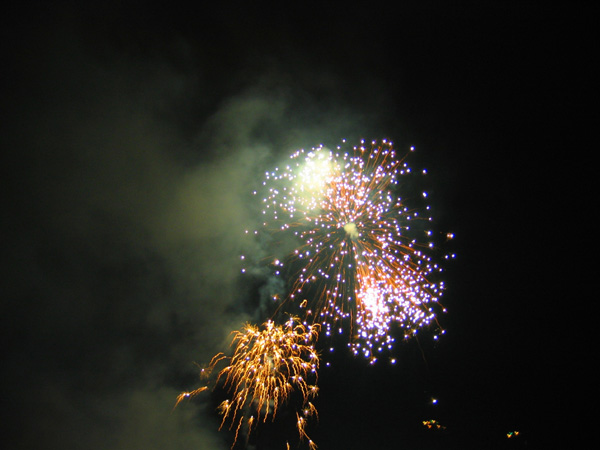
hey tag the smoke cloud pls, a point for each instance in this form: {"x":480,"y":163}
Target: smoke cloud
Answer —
{"x":129,"y":189}
{"x":124,"y":236}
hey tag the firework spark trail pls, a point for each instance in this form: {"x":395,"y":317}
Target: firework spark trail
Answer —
{"x":357,"y":256}
{"x":268,"y":365}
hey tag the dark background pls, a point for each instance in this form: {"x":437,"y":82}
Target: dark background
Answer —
{"x":133,"y":136}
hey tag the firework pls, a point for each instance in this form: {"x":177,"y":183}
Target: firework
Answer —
{"x":360,"y":254}
{"x":433,"y":424}
{"x":268,"y":365}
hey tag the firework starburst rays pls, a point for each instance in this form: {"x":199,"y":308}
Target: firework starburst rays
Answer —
{"x":357,"y":257}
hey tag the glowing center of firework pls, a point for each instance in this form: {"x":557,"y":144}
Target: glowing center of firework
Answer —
{"x":372,"y":300}
{"x":316,"y":172}
{"x":351,"y":230}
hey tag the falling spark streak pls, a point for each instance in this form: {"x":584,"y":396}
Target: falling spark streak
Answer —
{"x":357,"y":256}
{"x":267,"y":366}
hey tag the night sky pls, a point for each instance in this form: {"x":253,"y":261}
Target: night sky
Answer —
{"x":134,"y":136}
